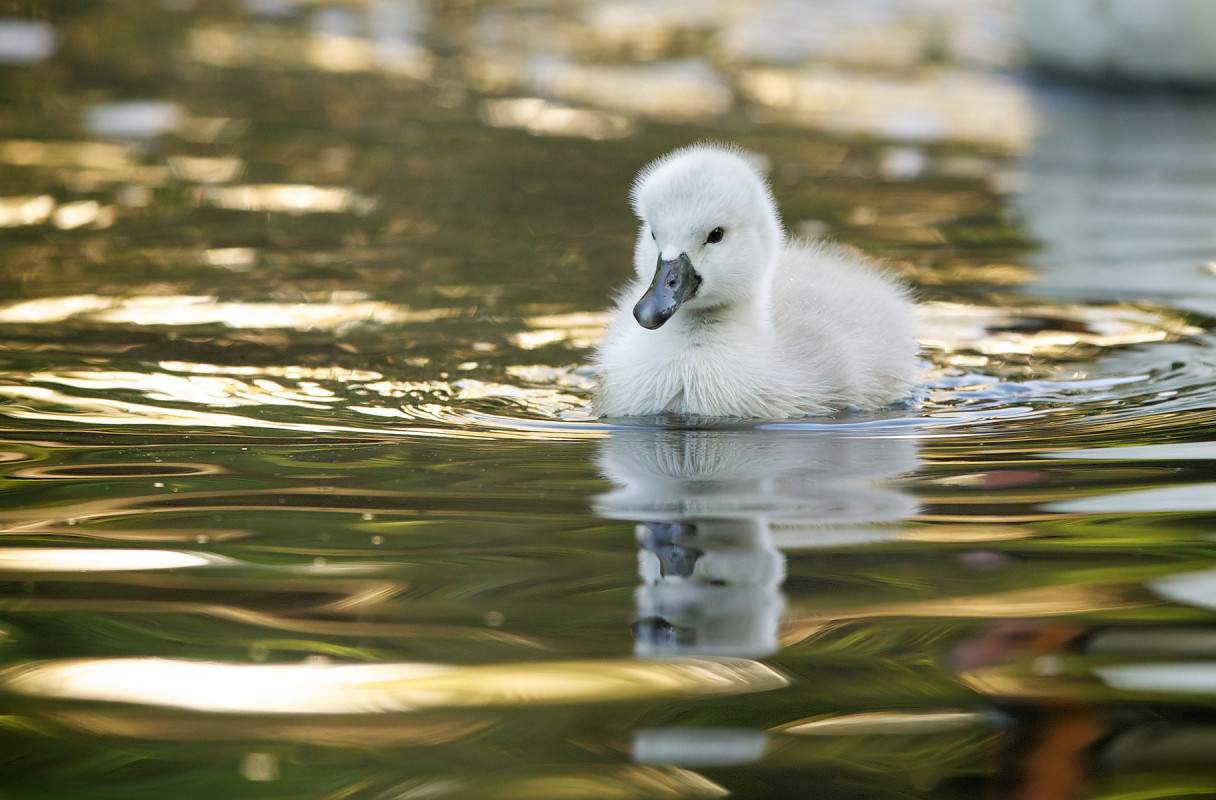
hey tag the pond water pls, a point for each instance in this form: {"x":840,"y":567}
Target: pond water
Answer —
{"x":303,"y":496}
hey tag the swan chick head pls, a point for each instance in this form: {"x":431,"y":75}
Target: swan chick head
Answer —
{"x":710,"y":232}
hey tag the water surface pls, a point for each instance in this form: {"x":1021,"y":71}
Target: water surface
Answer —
{"x":305,"y":498}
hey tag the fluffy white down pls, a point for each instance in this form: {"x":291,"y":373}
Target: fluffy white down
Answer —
{"x":776,"y":329}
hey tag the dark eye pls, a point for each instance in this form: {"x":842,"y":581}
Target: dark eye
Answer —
{"x":715,"y":236}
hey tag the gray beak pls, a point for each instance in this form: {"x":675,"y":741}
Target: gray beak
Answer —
{"x":674,"y":282}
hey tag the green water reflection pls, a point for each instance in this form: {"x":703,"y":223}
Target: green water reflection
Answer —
{"x":302,"y":495}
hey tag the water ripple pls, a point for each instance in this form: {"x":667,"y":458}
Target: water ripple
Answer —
{"x":1014,"y":366}
{"x":380,"y":688}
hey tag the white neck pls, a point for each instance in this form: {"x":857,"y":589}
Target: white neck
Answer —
{"x":741,"y":320}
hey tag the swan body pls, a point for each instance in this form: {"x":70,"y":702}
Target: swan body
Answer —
{"x":726,"y":318}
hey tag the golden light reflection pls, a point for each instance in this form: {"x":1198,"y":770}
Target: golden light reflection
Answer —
{"x":143,"y":536}
{"x":217,"y":46}
{"x":569,"y":415}
{"x":53,"y":309}
{"x":201,"y":169}
{"x":645,"y":29}
{"x":578,"y":330}
{"x":380,"y":688}
{"x":566,"y":377}
{"x":967,"y":274}
{"x":400,"y":57}
{"x":48,"y":559}
{"x":212,"y":129}
{"x":961,"y":533}
{"x":84,"y":165}
{"x":837,"y":37}
{"x":336,"y":53}
{"x":664,"y":89}
{"x":232,"y":47}
{"x":317,"y":620}
{"x":337,"y":374}
{"x":575,"y":320}
{"x":885,"y":722}
{"x":119,"y":508}
{"x":118,"y":470}
{"x":81,"y":213}
{"x":1001,"y":682}
{"x":543,"y":118}
{"x":881,"y":36}
{"x":18,"y":211}
{"x":205,"y":310}
{"x":79,"y":155}
{"x":588,"y":783}
{"x":552,"y":402}
{"x":365,"y":732}
{"x":1045,"y":601}
{"x":287,"y":198}
{"x":930,"y":105}
{"x":234,"y":258}
{"x":48,"y":404}
{"x":1051,"y":331}
{"x":558,"y":394}
{"x":200,"y":390}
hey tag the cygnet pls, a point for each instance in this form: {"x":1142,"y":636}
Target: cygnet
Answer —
{"x":726,"y":317}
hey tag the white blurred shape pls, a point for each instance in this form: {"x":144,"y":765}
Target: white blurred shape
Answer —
{"x":1191,"y":497}
{"x":395,"y":26}
{"x":1190,"y":588}
{"x":134,"y":119}
{"x":270,"y":8}
{"x":24,"y":41}
{"x":1186,"y":678}
{"x":1149,"y":40}
{"x":901,"y":163}
{"x":1180,"y":451}
{"x":699,"y":747}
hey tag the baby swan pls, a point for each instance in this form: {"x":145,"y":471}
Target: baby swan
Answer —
{"x":726,"y":318}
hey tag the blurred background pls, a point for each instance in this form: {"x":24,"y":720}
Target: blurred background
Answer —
{"x":389,"y":132}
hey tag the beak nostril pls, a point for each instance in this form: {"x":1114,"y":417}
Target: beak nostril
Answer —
{"x":675,"y":281}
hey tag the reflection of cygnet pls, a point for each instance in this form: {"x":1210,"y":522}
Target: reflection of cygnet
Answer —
{"x":708,"y":587}
{"x":823,"y":483}
{"x":725,"y":318}
{"x":723,"y":552}
{"x":710,"y":504}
